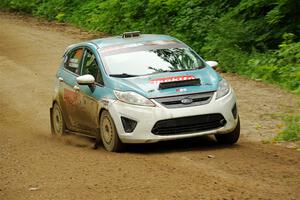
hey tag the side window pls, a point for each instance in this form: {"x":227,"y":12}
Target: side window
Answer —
{"x":90,"y":66}
{"x":74,"y":60}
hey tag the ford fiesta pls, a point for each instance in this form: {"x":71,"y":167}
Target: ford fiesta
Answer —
{"x":140,"y":88}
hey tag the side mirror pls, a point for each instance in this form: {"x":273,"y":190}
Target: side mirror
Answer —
{"x":85,"y":80}
{"x":213,"y":64}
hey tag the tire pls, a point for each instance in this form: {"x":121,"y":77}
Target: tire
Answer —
{"x":57,"y":121}
{"x":229,"y":138}
{"x":109,"y":134}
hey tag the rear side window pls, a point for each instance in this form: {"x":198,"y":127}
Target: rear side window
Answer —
{"x":73,"y":60}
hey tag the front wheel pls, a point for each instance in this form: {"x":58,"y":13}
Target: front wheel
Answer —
{"x":229,"y":138}
{"x":108,"y":132}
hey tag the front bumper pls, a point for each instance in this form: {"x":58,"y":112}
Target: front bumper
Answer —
{"x":146,"y":118}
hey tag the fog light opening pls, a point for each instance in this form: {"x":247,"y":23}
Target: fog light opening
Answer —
{"x":234,"y":111}
{"x":128,"y":124}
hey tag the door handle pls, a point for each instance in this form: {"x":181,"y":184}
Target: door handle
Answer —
{"x":60,"y":79}
{"x":76,"y":88}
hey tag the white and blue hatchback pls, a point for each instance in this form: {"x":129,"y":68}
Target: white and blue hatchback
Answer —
{"x":139,"y":88}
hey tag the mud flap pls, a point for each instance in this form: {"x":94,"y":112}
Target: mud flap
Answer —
{"x":51,"y":121}
{"x":98,"y":139}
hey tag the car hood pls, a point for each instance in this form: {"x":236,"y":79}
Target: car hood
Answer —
{"x":148,"y":86}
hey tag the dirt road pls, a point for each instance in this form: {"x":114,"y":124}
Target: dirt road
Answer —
{"x":34,"y":165}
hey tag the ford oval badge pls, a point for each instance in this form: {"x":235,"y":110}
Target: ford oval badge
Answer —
{"x":186,"y":101}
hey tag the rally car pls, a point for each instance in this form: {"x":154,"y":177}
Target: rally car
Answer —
{"x":141,"y":88}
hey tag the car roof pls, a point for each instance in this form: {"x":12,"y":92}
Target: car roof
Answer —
{"x":119,"y":40}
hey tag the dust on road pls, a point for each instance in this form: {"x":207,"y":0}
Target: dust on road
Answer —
{"x":69,"y":168}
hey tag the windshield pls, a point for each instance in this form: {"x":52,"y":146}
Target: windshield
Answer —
{"x":149,"y":61}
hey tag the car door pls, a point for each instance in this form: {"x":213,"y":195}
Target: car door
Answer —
{"x":68,"y":89}
{"x":89,"y":106}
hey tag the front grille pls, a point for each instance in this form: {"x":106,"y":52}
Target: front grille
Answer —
{"x":187,"y":125}
{"x":176,"y":101}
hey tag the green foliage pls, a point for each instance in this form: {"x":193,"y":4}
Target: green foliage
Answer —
{"x":258,"y":38}
{"x":24,"y":6}
{"x":281,"y":66}
{"x":292,"y":129}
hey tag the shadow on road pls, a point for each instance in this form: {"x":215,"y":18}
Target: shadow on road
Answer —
{"x":203,"y":143}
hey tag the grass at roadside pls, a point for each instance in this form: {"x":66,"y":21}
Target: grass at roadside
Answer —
{"x":291,"y":131}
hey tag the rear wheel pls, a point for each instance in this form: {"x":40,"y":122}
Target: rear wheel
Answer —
{"x":108,"y":132}
{"x":58,"y":123}
{"x":229,"y":138}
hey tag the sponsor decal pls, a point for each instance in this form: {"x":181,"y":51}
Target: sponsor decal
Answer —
{"x":172,"y":79}
{"x":134,"y":45}
{"x":181,"y":90}
{"x":73,"y":63}
{"x":119,"y":47}
{"x":71,"y":97}
{"x":161,"y":42}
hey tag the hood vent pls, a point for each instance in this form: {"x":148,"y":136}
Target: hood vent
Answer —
{"x":174,"y":84}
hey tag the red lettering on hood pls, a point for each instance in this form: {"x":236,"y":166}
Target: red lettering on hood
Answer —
{"x":172,"y":79}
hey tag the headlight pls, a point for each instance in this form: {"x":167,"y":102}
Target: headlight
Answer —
{"x":133,"y":98}
{"x":223,"y":88}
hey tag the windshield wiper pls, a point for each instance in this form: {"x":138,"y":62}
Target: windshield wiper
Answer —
{"x":181,"y":70}
{"x":123,"y":75}
{"x":177,"y":70}
{"x":187,"y":69}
